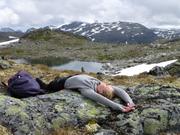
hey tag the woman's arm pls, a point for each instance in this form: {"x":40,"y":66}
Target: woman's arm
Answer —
{"x":91,"y":94}
{"x":123,"y":95}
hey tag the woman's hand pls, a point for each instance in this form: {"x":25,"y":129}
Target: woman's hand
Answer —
{"x":132,"y":105}
{"x":128,"y":108}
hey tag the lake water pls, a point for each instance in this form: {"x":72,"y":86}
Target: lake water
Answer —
{"x":65,"y":64}
{"x":78,"y":65}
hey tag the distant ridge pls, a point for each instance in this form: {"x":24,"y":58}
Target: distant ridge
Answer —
{"x":7,"y":33}
{"x":112,"y":32}
{"x":107,"y":32}
{"x":168,"y":34}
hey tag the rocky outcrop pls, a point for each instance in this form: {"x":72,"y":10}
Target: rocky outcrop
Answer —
{"x":4,"y":64}
{"x":41,"y":114}
{"x":158,"y":71}
{"x":158,"y":110}
{"x":174,"y":69}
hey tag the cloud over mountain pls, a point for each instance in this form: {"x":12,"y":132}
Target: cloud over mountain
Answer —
{"x":36,"y":13}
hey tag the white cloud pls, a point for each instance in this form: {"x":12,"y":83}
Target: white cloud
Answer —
{"x":8,"y":16}
{"x":35,"y":13}
{"x":2,"y":3}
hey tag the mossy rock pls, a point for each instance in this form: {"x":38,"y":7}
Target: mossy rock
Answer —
{"x":4,"y":64}
{"x":174,"y":69}
{"x":155,"y":120}
{"x":44,"y":113}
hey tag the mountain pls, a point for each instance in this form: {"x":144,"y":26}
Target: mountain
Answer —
{"x":112,"y":32}
{"x":168,"y":34}
{"x":8,"y":33}
{"x":51,"y":27}
{"x":6,"y":29}
{"x":30,"y":30}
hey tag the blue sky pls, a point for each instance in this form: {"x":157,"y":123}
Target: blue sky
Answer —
{"x":23,"y":14}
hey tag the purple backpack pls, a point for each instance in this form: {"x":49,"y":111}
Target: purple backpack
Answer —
{"x":22,"y":85}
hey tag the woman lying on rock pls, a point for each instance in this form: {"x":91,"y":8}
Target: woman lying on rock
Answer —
{"x":92,"y":88}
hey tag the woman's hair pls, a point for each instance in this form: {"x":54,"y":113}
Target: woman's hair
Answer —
{"x":105,"y":90}
{"x":108,"y":94}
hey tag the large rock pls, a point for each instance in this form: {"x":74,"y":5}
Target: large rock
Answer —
{"x":41,"y":114}
{"x":4,"y":64}
{"x":174,"y":69}
{"x":158,"y":111}
{"x":158,"y":71}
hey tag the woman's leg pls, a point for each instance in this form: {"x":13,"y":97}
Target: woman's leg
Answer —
{"x":55,"y":85}
{"x":41,"y":84}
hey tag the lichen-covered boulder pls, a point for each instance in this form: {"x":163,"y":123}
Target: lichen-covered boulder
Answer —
{"x":40,"y":114}
{"x":174,"y":69}
{"x":158,"y":110}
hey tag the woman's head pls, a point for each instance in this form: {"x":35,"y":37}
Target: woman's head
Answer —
{"x":105,"y":90}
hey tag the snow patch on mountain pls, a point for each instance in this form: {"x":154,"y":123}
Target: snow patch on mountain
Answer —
{"x":12,"y":37}
{"x":113,"y":32}
{"x":9,"y":42}
{"x":167,"y":33}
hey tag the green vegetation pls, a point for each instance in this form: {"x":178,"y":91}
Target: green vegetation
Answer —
{"x":49,"y":61}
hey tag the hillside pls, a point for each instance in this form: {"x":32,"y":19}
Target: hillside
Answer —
{"x":70,"y":47}
{"x":5,"y":36}
{"x":44,"y":42}
{"x":52,"y":36}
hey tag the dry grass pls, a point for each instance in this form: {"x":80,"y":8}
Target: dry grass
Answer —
{"x":70,"y":131}
{"x":40,"y":71}
{"x":146,"y":79}
{"x":47,"y":75}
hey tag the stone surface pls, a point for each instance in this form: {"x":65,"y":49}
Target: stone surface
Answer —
{"x":106,"y":132}
{"x":158,"y":110}
{"x":174,"y":69}
{"x":4,"y":64}
{"x":38,"y":115}
{"x":158,"y":71}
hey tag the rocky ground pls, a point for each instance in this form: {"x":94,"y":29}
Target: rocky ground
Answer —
{"x":157,"y":99}
{"x":118,"y":55}
{"x":158,"y":111}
